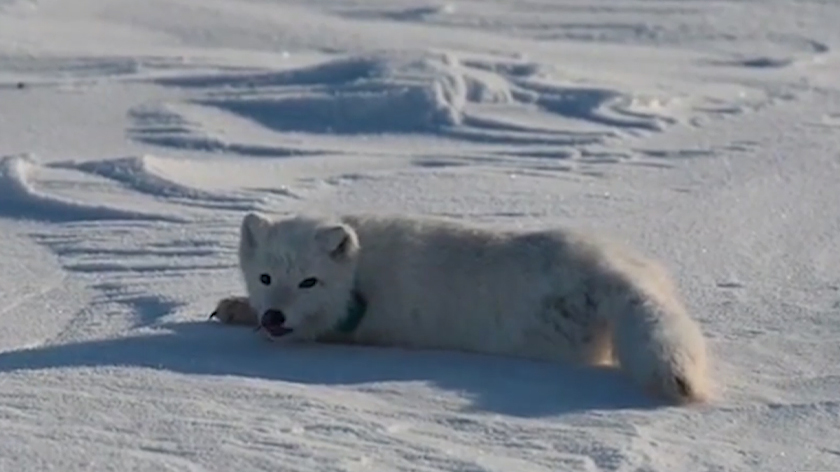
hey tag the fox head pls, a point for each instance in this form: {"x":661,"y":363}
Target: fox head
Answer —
{"x":299,"y":273}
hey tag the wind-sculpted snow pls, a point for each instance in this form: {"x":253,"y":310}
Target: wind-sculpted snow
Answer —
{"x":147,"y":175}
{"x":438,"y":94}
{"x":19,"y":199}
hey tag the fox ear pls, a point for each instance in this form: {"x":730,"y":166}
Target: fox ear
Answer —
{"x":339,"y":241}
{"x":252,"y":227}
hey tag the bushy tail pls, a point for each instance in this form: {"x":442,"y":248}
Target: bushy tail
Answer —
{"x":662,"y":348}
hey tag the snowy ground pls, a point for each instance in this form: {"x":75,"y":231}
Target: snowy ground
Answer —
{"x":134,"y":135}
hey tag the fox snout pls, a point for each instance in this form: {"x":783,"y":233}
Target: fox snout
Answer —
{"x":274,"y":322}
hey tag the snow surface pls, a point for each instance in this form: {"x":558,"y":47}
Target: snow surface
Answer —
{"x":134,"y":135}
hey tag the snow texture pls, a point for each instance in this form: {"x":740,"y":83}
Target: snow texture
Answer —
{"x":134,"y":136}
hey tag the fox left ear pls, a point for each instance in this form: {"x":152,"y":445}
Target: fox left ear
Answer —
{"x":250,"y":232}
{"x":339,"y":241}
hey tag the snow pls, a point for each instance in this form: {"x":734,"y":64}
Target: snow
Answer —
{"x":134,"y":136}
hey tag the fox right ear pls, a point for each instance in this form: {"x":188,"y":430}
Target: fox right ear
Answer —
{"x":252,"y":226}
{"x":339,"y":241}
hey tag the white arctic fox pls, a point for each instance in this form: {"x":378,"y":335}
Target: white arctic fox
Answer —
{"x":433,"y":283}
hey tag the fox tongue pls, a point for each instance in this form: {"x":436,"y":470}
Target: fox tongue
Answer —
{"x":278,"y":331}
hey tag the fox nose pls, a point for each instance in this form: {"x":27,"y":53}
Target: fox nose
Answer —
{"x":273,"y":318}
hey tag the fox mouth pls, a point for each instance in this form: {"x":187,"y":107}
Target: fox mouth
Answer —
{"x":275,"y":331}
{"x":273,"y":321}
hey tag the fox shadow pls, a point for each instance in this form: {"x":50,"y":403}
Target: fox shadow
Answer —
{"x":499,"y":385}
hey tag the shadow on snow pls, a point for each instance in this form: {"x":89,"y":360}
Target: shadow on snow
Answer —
{"x":494,"y":384}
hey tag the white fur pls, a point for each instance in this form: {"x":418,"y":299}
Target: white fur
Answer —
{"x":432,"y":283}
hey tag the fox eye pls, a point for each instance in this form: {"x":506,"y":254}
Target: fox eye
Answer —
{"x":308,"y":283}
{"x":265,"y":279}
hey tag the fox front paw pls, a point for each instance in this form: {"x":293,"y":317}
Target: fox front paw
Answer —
{"x":235,"y":310}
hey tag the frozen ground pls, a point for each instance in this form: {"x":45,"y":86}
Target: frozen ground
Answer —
{"x":134,"y":135}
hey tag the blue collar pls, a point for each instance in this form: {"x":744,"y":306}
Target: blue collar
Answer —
{"x":356,"y":310}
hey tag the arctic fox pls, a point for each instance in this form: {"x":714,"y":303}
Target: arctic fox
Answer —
{"x":429,"y":283}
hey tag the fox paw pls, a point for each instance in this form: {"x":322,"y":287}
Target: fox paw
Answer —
{"x":235,"y":310}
